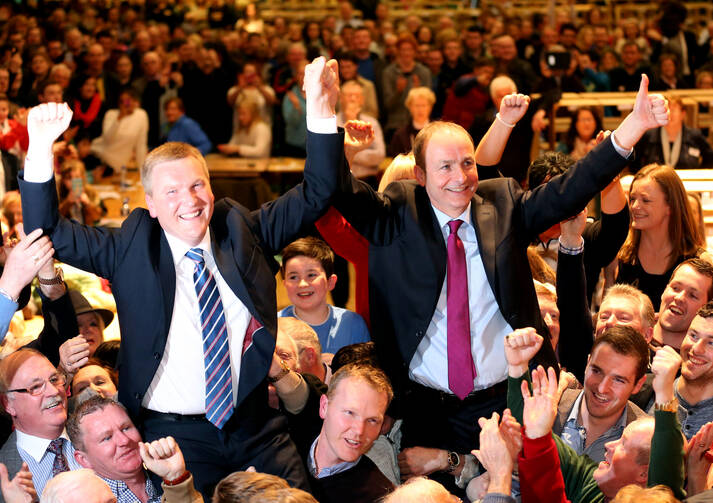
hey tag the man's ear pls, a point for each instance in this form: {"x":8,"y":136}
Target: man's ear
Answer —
{"x":7,"y":405}
{"x":638,"y":385}
{"x":649,"y":334}
{"x":323,"y":403}
{"x":82,"y":459}
{"x":151,"y":206}
{"x":331,"y":282}
{"x":642,"y":477}
{"x":420,"y":175}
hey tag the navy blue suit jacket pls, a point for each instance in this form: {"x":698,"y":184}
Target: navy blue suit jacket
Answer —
{"x":137,"y":260}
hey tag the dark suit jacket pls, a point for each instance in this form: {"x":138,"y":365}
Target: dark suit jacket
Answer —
{"x":407,"y":253}
{"x":696,"y":153}
{"x":138,"y":262}
{"x":11,"y":457}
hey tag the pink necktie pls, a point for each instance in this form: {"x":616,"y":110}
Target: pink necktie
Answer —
{"x":461,"y":370}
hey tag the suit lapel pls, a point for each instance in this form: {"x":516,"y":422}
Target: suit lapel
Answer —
{"x":224,"y":259}
{"x":167,"y":274}
{"x":483,"y":217}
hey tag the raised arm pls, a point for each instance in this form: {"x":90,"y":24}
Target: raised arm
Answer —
{"x":490,"y":149}
{"x":666,"y":463}
{"x":521,"y":346}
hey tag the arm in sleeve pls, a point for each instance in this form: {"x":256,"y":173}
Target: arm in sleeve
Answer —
{"x":538,"y":464}
{"x":60,"y":325}
{"x":603,"y":238}
{"x":666,"y":464}
{"x":575,"y":320}
{"x":185,"y":492}
{"x":199,"y":138}
{"x":7,"y":311}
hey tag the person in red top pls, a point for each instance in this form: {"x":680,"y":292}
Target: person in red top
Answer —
{"x":13,"y":132}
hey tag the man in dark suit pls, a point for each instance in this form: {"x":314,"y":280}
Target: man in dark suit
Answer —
{"x":409,"y":228}
{"x":191,"y":279}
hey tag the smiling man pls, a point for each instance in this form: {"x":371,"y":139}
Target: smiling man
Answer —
{"x":107,"y":441}
{"x":449,"y":276}
{"x":690,"y":287}
{"x":694,"y":389}
{"x":33,"y":394}
{"x":353,"y":411}
{"x":194,"y":283}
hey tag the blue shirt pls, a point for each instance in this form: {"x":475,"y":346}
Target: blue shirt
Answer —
{"x":365,"y":68}
{"x":188,"y":131}
{"x":7,"y":311}
{"x":124,"y":495}
{"x":33,"y":451}
{"x":342,"y":328}
{"x":575,"y":435}
{"x":329,"y":470}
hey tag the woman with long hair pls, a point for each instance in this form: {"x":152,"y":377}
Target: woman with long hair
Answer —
{"x":582,"y":133}
{"x":662,"y":234}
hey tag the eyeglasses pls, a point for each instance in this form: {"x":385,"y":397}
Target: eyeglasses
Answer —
{"x":56,"y":380}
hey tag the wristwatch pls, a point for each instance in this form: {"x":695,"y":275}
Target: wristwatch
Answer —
{"x":58,"y":278}
{"x":670,"y":406}
{"x":453,"y":461}
{"x":282,"y":373}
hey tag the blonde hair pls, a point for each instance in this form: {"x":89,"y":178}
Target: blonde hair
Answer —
{"x":170,"y":151}
{"x":401,"y":168}
{"x":637,"y":494}
{"x":420,"y":92}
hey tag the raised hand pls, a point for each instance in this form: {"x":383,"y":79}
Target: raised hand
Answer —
{"x":358,"y":136}
{"x":520,"y":347}
{"x":511,"y":432}
{"x":163,"y":457}
{"x":698,"y":463}
{"x":540,"y":408}
{"x":572,"y":229}
{"x":25,"y":259}
{"x":494,"y":455}
{"x":650,"y":109}
{"x":73,"y":354}
{"x":321,"y":87}
{"x":513,"y":107}
{"x":664,"y":366}
{"x":20,"y":489}
{"x":45,"y":123}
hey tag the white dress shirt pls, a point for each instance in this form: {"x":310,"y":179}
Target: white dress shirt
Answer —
{"x":179,"y":383}
{"x":488,"y":328}
{"x":33,"y":451}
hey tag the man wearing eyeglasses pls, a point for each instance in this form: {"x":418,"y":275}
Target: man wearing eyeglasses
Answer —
{"x":33,"y":394}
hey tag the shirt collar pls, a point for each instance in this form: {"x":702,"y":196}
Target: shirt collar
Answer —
{"x":36,"y":446}
{"x":329,"y":470}
{"x":124,"y":494}
{"x":179,"y":247}
{"x":443,"y":219}
{"x":574,"y":415}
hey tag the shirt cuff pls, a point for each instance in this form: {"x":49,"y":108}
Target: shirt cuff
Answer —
{"x":39,"y":171}
{"x":622,"y":151}
{"x":572,"y":251}
{"x":322,"y":125}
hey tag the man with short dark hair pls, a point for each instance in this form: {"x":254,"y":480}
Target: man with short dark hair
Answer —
{"x":690,"y":287}
{"x":694,"y":388}
{"x":598,"y":414}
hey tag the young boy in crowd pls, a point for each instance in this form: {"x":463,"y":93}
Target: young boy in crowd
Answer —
{"x":308,"y":272}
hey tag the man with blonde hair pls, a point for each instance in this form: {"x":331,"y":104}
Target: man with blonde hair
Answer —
{"x":353,"y":411}
{"x":194,"y":278}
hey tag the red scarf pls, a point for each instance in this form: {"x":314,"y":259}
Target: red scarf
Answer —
{"x":91,"y":114}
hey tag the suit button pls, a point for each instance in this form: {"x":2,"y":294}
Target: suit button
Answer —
{"x":137,"y":396}
{"x":156,"y":356}
{"x":419,"y":333}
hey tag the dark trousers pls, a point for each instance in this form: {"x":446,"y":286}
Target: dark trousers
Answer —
{"x":254,"y":436}
{"x":441,"y":420}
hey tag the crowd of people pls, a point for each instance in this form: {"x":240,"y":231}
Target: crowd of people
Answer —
{"x":506,"y":345}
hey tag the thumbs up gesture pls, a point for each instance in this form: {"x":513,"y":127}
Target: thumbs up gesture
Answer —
{"x":650,"y":109}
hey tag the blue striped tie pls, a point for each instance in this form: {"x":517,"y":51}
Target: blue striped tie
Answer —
{"x":218,"y":381}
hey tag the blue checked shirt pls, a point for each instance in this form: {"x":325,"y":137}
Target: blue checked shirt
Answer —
{"x":124,"y":495}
